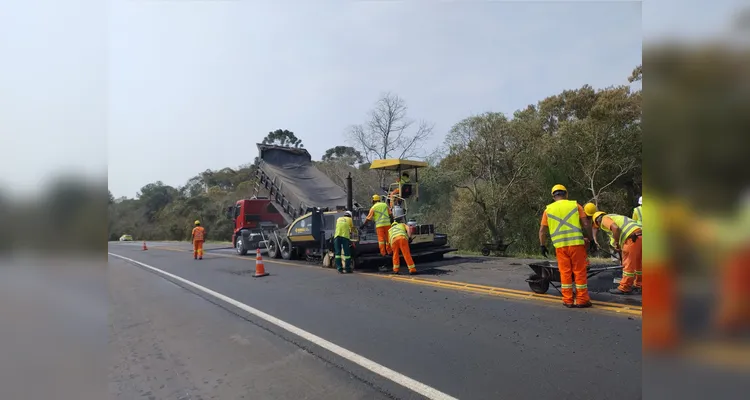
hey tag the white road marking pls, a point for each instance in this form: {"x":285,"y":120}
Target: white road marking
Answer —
{"x":401,"y":379}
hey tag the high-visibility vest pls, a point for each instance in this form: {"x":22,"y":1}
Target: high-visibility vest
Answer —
{"x":198,"y":233}
{"x":627,"y":227}
{"x":380,"y":215}
{"x":343,"y":227}
{"x":564,"y":224}
{"x":638,"y":215}
{"x":397,"y":230}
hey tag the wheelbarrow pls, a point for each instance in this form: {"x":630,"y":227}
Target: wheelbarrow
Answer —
{"x":499,"y":248}
{"x":545,"y":273}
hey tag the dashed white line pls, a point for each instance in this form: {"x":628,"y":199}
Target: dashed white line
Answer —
{"x":399,"y":378}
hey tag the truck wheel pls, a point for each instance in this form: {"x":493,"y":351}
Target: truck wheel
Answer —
{"x":286,"y":249}
{"x":485,"y":251}
{"x":273,"y":249}
{"x":240,"y":246}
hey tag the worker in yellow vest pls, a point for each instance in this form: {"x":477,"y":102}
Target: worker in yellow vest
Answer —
{"x":625,"y":233}
{"x":342,"y":242}
{"x":399,"y":238}
{"x":381,"y":214}
{"x":569,"y":230}
{"x":638,"y":211}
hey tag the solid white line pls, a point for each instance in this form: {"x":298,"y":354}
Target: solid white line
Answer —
{"x":401,"y":379}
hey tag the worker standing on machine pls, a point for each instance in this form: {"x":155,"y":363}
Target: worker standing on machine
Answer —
{"x":399,"y":238}
{"x":381,"y":214}
{"x":342,"y":242}
{"x":198,"y":237}
{"x":626,"y":235}
{"x":569,"y":231}
{"x":638,"y":211}
{"x":404,"y":179}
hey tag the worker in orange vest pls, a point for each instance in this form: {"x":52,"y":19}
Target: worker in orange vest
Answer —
{"x":382,"y":216}
{"x":399,"y":238}
{"x":198,"y":237}
{"x":570,"y":232}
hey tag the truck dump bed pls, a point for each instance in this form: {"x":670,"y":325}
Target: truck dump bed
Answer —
{"x":294,"y":183}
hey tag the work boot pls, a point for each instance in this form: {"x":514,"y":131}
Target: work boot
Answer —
{"x":200,"y":258}
{"x":341,"y":271}
{"x":569,"y":305}
{"x":584,"y":305}
{"x":348,"y":270}
{"x":618,"y":291}
{"x":413,"y":271}
{"x":394,"y":272}
{"x":195,"y":257}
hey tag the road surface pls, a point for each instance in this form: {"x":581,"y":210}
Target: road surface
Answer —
{"x":211,"y":330}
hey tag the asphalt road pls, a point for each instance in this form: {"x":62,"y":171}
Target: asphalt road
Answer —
{"x":178,"y":343}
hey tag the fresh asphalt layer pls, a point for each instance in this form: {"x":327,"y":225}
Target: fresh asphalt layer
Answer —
{"x":463,"y":344}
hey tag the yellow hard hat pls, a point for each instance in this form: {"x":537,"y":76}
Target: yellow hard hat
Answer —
{"x":597,"y":215}
{"x":558,"y":187}
{"x":375,"y":197}
{"x":589,"y":209}
{"x":197,"y":222}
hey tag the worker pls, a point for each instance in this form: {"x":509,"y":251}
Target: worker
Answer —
{"x":570,"y":233}
{"x":342,"y":241}
{"x":626,"y":236}
{"x":198,"y":237}
{"x":404,"y":179}
{"x":638,"y":212}
{"x":381,"y":214}
{"x":399,"y":238}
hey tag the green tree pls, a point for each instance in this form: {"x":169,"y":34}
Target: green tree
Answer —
{"x":283,"y":137}
{"x":348,"y":155}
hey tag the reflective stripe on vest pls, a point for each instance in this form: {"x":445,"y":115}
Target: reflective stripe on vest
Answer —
{"x":397,"y":230}
{"x":638,"y":215}
{"x":380,"y":215}
{"x":627,"y":226}
{"x":343,"y":229}
{"x":564,"y":224}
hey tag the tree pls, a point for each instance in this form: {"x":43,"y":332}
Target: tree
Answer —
{"x":490,"y":161}
{"x":111,"y":197}
{"x":346,"y":154}
{"x":283,"y":138}
{"x":386,"y":133}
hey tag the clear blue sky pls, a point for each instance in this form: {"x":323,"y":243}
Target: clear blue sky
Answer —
{"x":190,"y":85}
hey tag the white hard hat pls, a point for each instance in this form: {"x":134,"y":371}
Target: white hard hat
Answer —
{"x":640,"y":200}
{"x":348,"y":213}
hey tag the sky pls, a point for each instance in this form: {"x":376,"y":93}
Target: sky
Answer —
{"x":147,"y":90}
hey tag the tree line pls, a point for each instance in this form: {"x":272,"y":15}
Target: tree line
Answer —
{"x":487,"y":182}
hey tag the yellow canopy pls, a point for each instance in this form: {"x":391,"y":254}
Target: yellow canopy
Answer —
{"x":394,"y":164}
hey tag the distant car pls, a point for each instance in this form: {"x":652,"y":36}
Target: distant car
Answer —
{"x":126,"y":238}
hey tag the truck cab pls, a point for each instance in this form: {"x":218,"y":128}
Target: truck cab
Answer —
{"x":253,"y":219}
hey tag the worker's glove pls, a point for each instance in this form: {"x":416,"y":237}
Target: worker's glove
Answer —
{"x":543,"y":249}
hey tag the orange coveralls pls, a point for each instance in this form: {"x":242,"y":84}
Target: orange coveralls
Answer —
{"x":398,"y":235}
{"x":382,"y":217}
{"x":632,"y":256}
{"x":572,"y":261}
{"x":199,"y":235}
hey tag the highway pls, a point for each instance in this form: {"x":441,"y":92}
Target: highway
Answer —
{"x":187,"y":329}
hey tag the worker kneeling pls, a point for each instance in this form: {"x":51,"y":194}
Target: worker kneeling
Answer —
{"x":342,"y":242}
{"x":625,"y":233}
{"x":399,"y":237}
{"x":566,"y":221}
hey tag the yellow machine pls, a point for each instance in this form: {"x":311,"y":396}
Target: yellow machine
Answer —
{"x":409,"y":190}
{"x":406,"y":191}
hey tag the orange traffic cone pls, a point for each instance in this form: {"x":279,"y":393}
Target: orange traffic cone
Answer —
{"x":260,"y":269}
{"x":144,"y":245}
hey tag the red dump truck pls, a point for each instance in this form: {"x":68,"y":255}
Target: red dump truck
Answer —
{"x":253,"y":219}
